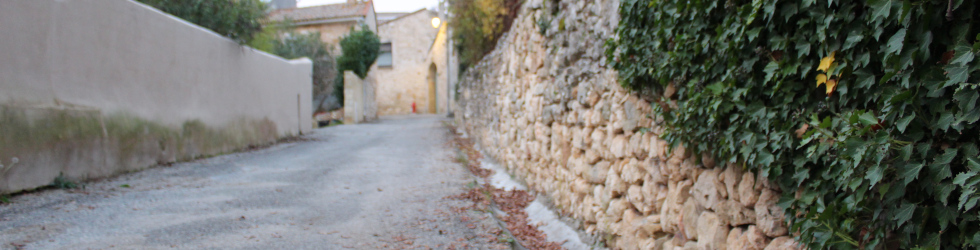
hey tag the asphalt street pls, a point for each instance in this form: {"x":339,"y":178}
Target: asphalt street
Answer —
{"x":367,"y":186}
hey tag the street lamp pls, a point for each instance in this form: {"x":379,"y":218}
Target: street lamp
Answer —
{"x":436,"y":22}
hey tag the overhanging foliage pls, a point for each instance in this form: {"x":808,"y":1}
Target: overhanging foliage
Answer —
{"x":477,"y":24}
{"x":360,"y":49}
{"x":864,"y":112}
{"x":236,"y":19}
{"x":295,"y":45}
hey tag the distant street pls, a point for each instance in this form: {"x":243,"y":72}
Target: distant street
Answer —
{"x":369,"y":186}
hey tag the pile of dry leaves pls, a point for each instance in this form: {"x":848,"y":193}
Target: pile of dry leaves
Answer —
{"x":511,"y":202}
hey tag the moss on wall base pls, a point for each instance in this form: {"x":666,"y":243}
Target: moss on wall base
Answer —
{"x":37,"y":144}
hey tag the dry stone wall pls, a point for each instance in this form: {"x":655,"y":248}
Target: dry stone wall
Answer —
{"x":544,"y":104}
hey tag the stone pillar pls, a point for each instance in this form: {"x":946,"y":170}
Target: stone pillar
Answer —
{"x":353,"y":98}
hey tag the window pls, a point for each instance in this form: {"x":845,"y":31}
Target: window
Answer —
{"x":384,"y":56}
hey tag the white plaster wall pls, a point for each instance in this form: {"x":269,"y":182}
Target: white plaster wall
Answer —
{"x":122,"y":56}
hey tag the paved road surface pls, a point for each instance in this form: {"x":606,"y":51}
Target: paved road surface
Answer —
{"x":367,"y":186}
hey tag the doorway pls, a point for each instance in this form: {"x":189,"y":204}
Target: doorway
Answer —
{"x":432,"y":88}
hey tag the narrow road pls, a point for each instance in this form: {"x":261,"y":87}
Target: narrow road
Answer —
{"x":368,"y":186}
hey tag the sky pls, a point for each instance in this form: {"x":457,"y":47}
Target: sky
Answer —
{"x":381,"y":5}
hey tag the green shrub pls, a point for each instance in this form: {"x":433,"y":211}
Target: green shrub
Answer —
{"x":477,"y":24}
{"x":294,"y":45}
{"x":236,"y":19}
{"x":360,"y":49}
{"x":863,"y":112}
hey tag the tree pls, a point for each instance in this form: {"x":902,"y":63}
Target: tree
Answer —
{"x":294,"y":45}
{"x":235,"y":19}
{"x":477,"y":24}
{"x":360,"y":49}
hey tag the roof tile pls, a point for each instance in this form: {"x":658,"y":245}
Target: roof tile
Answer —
{"x":322,"y":12}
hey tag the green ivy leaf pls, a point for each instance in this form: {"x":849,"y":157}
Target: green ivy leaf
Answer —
{"x":956,"y":74}
{"x":942,"y":192}
{"x":964,"y":55}
{"x":969,"y":117}
{"x":945,"y":215}
{"x":903,"y":123}
{"x":945,"y":120}
{"x":875,"y":174}
{"x":853,"y":38}
{"x":967,"y":98}
{"x":770,"y":70}
{"x":910,"y":172}
{"x":896,"y":42}
{"x":880,"y":9}
{"x":962,"y":177}
{"x":965,"y":199}
{"x":904,"y":213}
{"x":868,"y":119}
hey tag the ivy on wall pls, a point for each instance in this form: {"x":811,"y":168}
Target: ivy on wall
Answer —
{"x":863,"y":112}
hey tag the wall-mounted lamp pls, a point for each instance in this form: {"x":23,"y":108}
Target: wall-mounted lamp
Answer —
{"x":436,"y":22}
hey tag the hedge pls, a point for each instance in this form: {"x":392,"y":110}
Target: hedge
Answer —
{"x":863,"y":112}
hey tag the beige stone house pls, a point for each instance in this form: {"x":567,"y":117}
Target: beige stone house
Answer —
{"x":333,"y":21}
{"x":412,"y":66}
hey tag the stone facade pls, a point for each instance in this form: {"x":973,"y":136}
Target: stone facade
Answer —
{"x":333,"y":21}
{"x":544,"y":105}
{"x":413,"y":77}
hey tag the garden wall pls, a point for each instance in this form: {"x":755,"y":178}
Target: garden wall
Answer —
{"x":544,"y":105}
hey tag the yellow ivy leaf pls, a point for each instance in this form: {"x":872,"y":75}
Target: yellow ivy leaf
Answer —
{"x":831,"y":85}
{"x":826,"y":62}
{"x":821,"y":79}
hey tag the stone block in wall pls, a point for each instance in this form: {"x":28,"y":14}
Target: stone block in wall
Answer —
{"x":618,"y":146}
{"x":632,"y":172}
{"x":750,"y":239}
{"x":747,"y":195}
{"x":677,"y":194}
{"x":734,"y":214}
{"x":597,"y":173}
{"x":730,"y":177}
{"x":578,"y":139}
{"x":708,"y":190}
{"x":592,"y":157}
{"x":614,"y":184}
{"x":783,"y":243}
{"x":654,"y":168}
{"x":653,"y":195}
{"x":616,"y":209}
{"x":634,"y":194}
{"x":712,"y":232}
{"x":733,"y":236}
{"x":769,"y":216}
{"x":689,"y":217}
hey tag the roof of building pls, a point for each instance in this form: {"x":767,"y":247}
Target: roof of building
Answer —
{"x":423,"y":10}
{"x":385,"y":16}
{"x":322,"y":12}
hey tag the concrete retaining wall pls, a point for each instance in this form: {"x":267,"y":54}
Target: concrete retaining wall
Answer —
{"x":544,"y":104}
{"x":91,"y":88}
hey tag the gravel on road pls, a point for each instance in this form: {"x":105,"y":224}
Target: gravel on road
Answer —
{"x":367,"y":186}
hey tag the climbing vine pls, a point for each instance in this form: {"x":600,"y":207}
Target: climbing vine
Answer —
{"x":863,"y":112}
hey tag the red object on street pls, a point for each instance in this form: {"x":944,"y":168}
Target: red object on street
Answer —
{"x":413,"y":107}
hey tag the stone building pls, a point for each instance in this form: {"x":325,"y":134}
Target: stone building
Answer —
{"x":333,"y":21}
{"x":412,"y":66}
{"x":415,"y":61}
